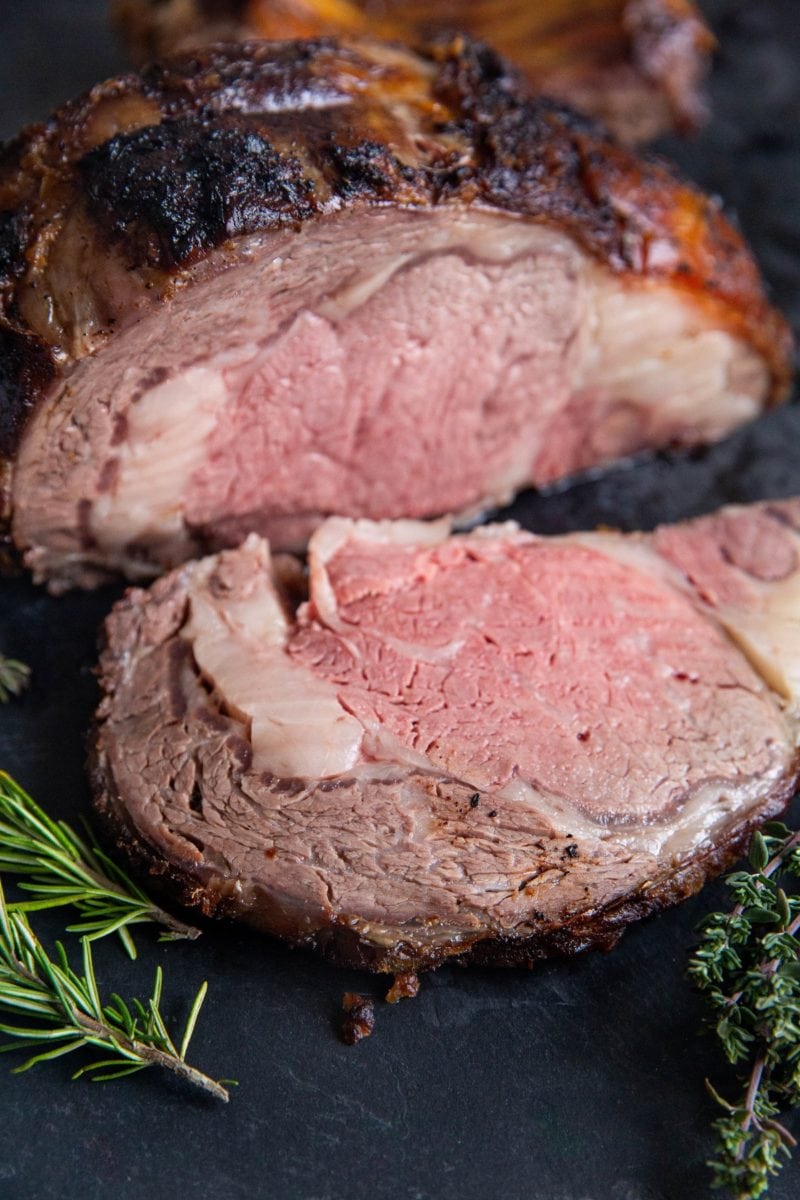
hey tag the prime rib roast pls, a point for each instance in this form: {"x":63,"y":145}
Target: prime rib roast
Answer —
{"x":253,"y":287}
{"x":491,"y":746}
{"x":637,"y":64}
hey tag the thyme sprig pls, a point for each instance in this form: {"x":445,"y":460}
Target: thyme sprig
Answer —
{"x":61,"y":868}
{"x":14,"y":678}
{"x":69,"y":1015}
{"x":748,"y":966}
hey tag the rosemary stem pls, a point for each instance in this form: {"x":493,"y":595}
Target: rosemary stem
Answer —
{"x":179,"y":928}
{"x":191,"y":932}
{"x":149,"y":1054}
{"x":152,"y":1054}
{"x":47,"y":850}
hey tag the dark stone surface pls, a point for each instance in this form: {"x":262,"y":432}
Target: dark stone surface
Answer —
{"x":580,"y":1081}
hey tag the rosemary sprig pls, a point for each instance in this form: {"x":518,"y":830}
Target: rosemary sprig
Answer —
{"x":747,"y":965}
{"x":63,"y":869}
{"x":14,"y":678}
{"x":69,"y":1015}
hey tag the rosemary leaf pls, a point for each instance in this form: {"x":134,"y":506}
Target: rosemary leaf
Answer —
{"x":61,"y":868}
{"x":68,"y":1009}
{"x":191,"y":1020}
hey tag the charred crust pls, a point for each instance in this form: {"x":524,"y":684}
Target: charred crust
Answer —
{"x":537,"y":161}
{"x":252,"y":79}
{"x":171,"y":191}
{"x":367,"y":169}
{"x":9,"y":558}
{"x":27,"y":369}
{"x":14,"y":227}
{"x":473,"y":80}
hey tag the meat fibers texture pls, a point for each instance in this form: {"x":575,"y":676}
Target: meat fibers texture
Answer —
{"x":490,"y":746}
{"x":639,"y":65}
{"x":258,"y":286}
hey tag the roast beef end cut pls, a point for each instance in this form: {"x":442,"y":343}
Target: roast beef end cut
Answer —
{"x":250,"y":289}
{"x":490,"y":745}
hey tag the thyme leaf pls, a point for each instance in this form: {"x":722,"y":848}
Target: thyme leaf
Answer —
{"x":14,"y":678}
{"x":747,"y":964}
{"x":61,"y":868}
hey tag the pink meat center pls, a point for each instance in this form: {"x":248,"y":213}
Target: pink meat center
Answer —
{"x":345,"y":414}
{"x":549,"y":665}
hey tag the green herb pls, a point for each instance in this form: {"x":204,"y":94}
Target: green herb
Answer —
{"x":68,"y":1013}
{"x":747,"y":966}
{"x":14,"y":678}
{"x":63,"y":869}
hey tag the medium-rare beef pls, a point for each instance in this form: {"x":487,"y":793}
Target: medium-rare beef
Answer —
{"x":637,"y":64}
{"x":244,"y":291}
{"x":493,"y":746}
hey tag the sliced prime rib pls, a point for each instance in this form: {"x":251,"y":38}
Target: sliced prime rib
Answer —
{"x":639,"y":65}
{"x":246,"y":290}
{"x":491,"y":746}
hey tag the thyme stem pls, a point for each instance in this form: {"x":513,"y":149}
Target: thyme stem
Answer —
{"x":750,"y":1100}
{"x":748,"y":965}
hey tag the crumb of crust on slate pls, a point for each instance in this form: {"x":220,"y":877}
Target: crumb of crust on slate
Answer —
{"x":360,"y":1019}
{"x":405,"y":986}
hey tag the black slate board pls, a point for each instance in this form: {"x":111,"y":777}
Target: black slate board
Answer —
{"x":579,"y":1081}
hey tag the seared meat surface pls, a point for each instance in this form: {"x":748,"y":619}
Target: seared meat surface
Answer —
{"x":494,"y":746}
{"x":247,"y":290}
{"x":639,"y":65}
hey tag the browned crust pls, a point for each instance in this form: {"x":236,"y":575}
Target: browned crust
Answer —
{"x":148,"y":174}
{"x":654,"y":53}
{"x":342,"y":944}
